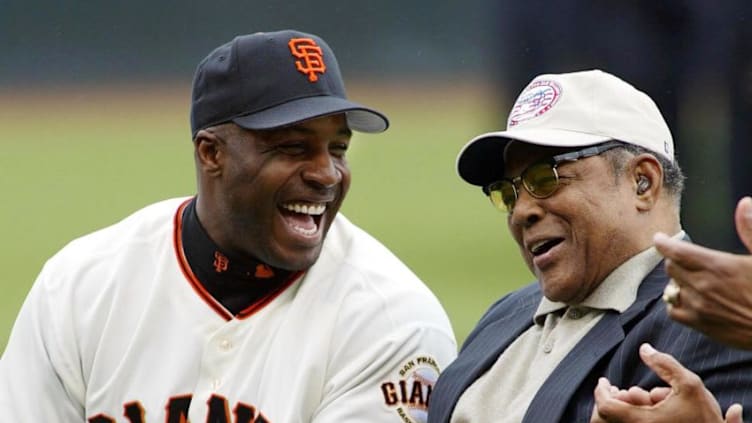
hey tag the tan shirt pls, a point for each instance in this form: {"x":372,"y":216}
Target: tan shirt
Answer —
{"x":505,"y":391}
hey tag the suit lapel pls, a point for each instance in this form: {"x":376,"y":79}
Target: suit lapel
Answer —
{"x":650,"y":289}
{"x":554,"y":396}
{"x":480,"y":353}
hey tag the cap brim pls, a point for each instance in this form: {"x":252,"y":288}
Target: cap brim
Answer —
{"x":481,"y":160}
{"x":359,"y":117}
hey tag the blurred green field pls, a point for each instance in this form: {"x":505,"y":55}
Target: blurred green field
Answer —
{"x":76,"y":159}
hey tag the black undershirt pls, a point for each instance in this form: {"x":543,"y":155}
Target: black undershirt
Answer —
{"x":236,"y":283}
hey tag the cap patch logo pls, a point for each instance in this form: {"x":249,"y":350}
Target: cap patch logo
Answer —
{"x":310,"y":57}
{"x":538,"y":98}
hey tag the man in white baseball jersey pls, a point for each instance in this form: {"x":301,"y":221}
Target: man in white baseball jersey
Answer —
{"x":255,"y":300}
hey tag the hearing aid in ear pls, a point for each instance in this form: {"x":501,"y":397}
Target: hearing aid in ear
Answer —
{"x":643,"y":183}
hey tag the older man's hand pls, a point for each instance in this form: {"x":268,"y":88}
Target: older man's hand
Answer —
{"x":686,"y":399}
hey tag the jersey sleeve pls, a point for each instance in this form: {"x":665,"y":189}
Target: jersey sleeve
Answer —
{"x":386,"y":361}
{"x":38,"y":381}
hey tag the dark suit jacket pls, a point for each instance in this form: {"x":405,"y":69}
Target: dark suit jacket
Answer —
{"x":610,"y":349}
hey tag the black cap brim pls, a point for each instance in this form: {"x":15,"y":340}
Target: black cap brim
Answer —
{"x":481,"y":161}
{"x":359,"y":117}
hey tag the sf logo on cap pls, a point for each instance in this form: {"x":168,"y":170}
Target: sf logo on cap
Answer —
{"x":310,"y":58}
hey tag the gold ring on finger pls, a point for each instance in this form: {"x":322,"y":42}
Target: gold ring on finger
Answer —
{"x":671,"y":294}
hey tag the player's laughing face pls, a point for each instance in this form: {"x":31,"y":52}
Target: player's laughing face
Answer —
{"x":573,"y":239}
{"x":278,"y":191}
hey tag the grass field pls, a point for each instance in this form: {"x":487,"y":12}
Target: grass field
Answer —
{"x":77,"y":159}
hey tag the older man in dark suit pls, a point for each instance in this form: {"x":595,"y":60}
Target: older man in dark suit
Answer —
{"x":587,"y":174}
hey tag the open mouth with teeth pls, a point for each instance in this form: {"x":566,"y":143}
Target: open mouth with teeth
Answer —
{"x":543,"y":246}
{"x":303,"y":218}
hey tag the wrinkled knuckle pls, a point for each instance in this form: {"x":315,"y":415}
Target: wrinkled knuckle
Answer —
{"x":701,"y":303}
{"x":702,"y":283}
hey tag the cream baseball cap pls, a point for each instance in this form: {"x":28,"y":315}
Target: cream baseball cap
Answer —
{"x":575,"y":109}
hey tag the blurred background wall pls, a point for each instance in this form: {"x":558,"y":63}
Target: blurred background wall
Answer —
{"x":84,"y":41}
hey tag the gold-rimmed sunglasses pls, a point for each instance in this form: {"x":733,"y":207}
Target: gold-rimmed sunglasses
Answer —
{"x":540,"y":180}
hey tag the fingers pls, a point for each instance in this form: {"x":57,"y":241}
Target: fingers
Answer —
{"x":602,"y":394}
{"x":606,"y":402}
{"x":687,"y":399}
{"x":664,"y":365}
{"x":604,"y":390}
{"x":659,"y":393}
{"x":668,"y":368}
{"x":634,"y":395}
{"x":638,"y":396}
{"x":743,"y":218}
{"x":693,"y":265}
{"x":685,"y":254}
{"x":625,"y":406}
{"x":734,"y":414}
{"x":685,"y":314}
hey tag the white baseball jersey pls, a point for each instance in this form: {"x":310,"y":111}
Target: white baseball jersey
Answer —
{"x":113,"y":330}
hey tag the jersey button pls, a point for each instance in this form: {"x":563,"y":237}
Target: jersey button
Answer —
{"x":225,"y":345}
{"x":215,"y":384}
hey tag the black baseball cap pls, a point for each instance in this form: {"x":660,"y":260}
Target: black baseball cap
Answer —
{"x":270,"y":80}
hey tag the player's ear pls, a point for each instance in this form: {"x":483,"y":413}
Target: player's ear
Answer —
{"x":208,"y":147}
